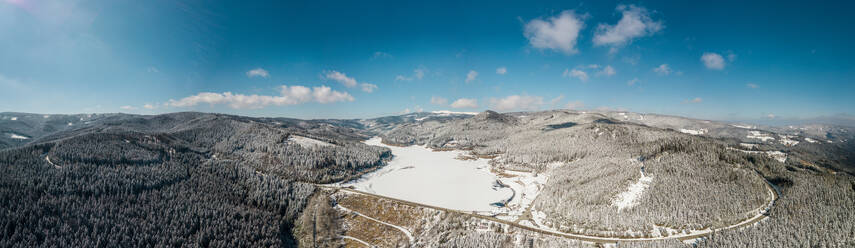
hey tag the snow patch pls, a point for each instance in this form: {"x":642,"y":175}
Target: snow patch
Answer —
{"x":810,"y":140}
{"x":628,"y":198}
{"x":14,"y":118}
{"x":526,"y":187}
{"x":789,"y":140}
{"x":15,"y":136}
{"x":308,"y":142}
{"x":745,"y":126}
{"x":759,"y":135}
{"x":694,"y":132}
{"x":778,"y":155}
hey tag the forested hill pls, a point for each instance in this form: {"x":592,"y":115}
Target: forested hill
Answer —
{"x":182,"y":178}
{"x":200,"y":179}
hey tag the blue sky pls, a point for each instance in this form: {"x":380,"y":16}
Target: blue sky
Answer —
{"x":725,"y":60}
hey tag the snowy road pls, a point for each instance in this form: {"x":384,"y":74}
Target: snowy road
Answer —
{"x":47,"y":158}
{"x":357,"y":240}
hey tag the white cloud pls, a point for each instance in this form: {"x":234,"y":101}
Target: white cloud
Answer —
{"x":713,"y":61}
{"x":149,"y":106}
{"x":471,"y":76}
{"x":635,"y":23}
{"x":517,"y":102}
{"x":152,"y":69}
{"x":663,"y":69}
{"x":341,"y":78}
{"x":349,"y":81}
{"x":126,"y":107}
{"x":632,"y":82}
{"x":366,"y":87}
{"x":324,"y":94}
{"x":289,"y":95}
{"x":418,"y":73}
{"x":257,"y":72}
{"x":752,"y":85}
{"x":607,"y":71}
{"x":771,"y":116}
{"x":581,"y":75}
{"x":379,"y":54}
{"x":402,"y":78}
{"x":556,"y":33}
{"x":694,"y":100}
{"x":501,"y":70}
{"x":465,"y":103}
{"x":435,"y":100}
{"x":575,"y":105}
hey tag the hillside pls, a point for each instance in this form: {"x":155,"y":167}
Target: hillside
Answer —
{"x":640,"y":180}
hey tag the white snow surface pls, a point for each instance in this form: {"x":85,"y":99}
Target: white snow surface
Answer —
{"x":307,"y":142}
{"x":435,"y":178}
{"x":758,"y":135}
{"x":810,"y":140}
{"x":789,"y":140}
{"x":526,"y":187}
{"x":357,"y":240}
{"x":628,"y":198}
{"x":777,"y":155}
{"x":745,"y":126}
{"x":14,"y":118}
{"x":15,"y":136}
{"x":693,"y":132}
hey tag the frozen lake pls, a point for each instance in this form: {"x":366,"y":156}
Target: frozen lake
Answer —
{"x":421,"y":175}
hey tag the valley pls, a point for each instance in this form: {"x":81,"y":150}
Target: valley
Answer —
{"x":544,"y":179}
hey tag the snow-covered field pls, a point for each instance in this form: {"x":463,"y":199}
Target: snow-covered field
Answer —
{"x":789,"y":140}
{"x":745,"y":126}
{"x":777,"y":155}
{"x":759,"y":135}
{"x":693,"y":132}
{"x":435,"y":178}
{"x":307,"y":142}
